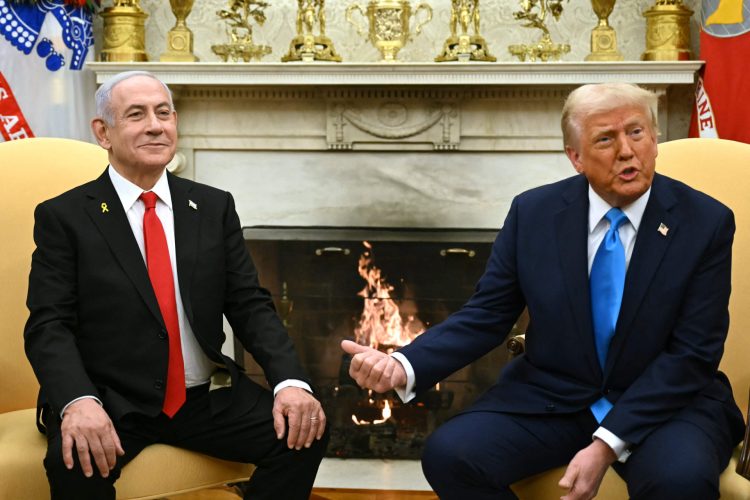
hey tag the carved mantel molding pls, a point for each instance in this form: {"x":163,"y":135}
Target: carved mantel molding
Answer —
{"x":409,"y":74}
{"x":375,"y":106}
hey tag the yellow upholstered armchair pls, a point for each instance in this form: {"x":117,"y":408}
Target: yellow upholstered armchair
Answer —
{"x":33,"y":170}
{"x":719,"y":168}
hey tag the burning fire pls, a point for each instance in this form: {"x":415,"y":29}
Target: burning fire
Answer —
{"x":381,"y":322}
{"x":386,"y":416}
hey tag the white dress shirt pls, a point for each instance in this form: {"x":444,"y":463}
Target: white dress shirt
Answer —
{"x":598,"y":227}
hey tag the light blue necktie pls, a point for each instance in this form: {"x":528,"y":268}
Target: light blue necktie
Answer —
{"x":607,"y":281}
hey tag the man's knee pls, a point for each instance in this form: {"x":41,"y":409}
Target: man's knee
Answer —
{"x":72,"y":483}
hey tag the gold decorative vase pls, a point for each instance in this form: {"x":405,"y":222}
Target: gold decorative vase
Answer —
{"x":667,"y":31}
{"x":389,"y":24}
{"x":180,"y":38}
{"x":461,"y":45}
{"x":603,"y":37}
{"x":124,"y":33}
{"x":306,"y":45}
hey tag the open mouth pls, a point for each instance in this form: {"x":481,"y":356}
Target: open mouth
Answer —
{"x":629,"y":173}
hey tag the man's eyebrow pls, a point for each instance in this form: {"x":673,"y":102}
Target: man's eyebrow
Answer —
{"x":140,"y":107}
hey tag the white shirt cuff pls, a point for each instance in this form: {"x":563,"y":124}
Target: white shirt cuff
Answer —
{"x":619,"y":446}
{"x":292,"y":382}
{"x":62,"y":413}
{"x":405,"y":393}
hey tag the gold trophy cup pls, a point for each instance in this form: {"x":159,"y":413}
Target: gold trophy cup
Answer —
{"x":603,"y":37}
{"x":389,"y":24}
{"x":180,"y":38}
{"x":667,"y":31}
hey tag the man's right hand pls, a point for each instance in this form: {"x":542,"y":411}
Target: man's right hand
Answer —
{"x":88,"y":427}
{"x":373,"y":369}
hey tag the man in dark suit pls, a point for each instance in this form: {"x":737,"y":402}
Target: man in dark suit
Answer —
{"x":626,"y":277}
{"x":131,"y":275}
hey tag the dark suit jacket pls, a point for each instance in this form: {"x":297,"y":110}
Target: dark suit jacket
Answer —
{"x":663,"y":360}
{"x":95,"y":327}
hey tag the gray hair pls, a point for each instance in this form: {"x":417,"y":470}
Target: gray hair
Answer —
{"x":103,"y":95}
{"x":600,"y":98}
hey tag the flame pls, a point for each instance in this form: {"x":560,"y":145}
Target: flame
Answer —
{"x":381,"y":322}
{"x":386,"y":414}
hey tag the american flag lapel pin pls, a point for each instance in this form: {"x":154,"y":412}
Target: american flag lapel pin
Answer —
{"x":663,"y":230}
{"x":192,"y":205}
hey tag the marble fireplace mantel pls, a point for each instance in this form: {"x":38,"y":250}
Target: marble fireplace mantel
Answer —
{"x":369,"y":144}
{"x":659,"y":74}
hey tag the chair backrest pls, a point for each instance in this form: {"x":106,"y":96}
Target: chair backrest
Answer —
{"x":720,"y":169}
{"x":31,"y":171}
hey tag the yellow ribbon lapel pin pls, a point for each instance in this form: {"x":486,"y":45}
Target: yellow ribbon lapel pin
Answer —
{"x":104,"y":208}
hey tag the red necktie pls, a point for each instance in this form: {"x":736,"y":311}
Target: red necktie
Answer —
{"x":160,"y":273}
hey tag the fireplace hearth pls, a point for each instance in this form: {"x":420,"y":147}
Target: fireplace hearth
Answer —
{"x":365,"y":284}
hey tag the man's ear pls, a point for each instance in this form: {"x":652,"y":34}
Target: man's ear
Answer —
{"x":101,"y":132}
{"x":575,"y":158}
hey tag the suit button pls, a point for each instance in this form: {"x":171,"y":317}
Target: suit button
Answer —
{"x":162,"y":334}
{"x":550,"y":407}
{"x":158,"y":384}
{"x":606,"y":391}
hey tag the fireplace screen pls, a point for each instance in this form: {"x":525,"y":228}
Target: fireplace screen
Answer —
{"x":381,"y":287}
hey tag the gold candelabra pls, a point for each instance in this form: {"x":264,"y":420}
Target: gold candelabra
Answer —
{"x":462,"y":45}
{"x":306,"y":45}
{"x":534,"y":14}
{"x":240,"y":30}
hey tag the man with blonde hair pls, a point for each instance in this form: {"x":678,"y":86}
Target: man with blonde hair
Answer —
{"x":626,"y":277}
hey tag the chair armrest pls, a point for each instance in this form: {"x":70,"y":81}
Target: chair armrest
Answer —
{"x":516,"y":344}
{"x":743,"y":464}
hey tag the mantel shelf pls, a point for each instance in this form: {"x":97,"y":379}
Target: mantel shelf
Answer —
{"x":409,"y":74}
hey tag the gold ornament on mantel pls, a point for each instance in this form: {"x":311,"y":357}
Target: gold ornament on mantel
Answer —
{"x":389,"y":21}
{"x":667,"y":31}
{"x":465,"y":47}
{"x":603,"y":37}
{"x":180,"y":38}
{"x":124,"y":32}
{"x":534,"y":12}
{"x":237,"y":17}
{"x":306,"y":45}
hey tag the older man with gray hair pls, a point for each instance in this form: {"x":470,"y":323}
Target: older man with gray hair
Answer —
{"x":129,"y":281}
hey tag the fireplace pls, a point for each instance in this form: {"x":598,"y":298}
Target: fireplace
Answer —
{"x":319,"y":281}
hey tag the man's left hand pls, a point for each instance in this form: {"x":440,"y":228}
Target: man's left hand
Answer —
{"x":585,"y":472}
{"x":302,"y":413}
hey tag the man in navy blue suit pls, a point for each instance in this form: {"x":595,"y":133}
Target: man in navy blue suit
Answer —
{"x":645,"y":396}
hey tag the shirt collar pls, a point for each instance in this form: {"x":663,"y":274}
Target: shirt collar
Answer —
{"x":598,"y":208}
{"x":129,"y":192}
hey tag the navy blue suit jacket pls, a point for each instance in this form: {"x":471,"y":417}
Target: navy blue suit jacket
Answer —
{"x":664,"y":357}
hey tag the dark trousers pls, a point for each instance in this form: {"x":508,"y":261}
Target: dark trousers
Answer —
{"x":249,"y":438}
{"x":478,"y":455}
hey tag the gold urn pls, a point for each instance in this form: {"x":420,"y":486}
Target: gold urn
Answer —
{"x":667,"y":31}
{"x":389,"y":24}
{"x":124,"y":33}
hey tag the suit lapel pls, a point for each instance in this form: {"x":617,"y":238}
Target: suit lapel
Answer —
{"x":649,"y":250}
{"x":571,"y":225}
{"x":186,"y":235}
{"x":107,"y":213}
